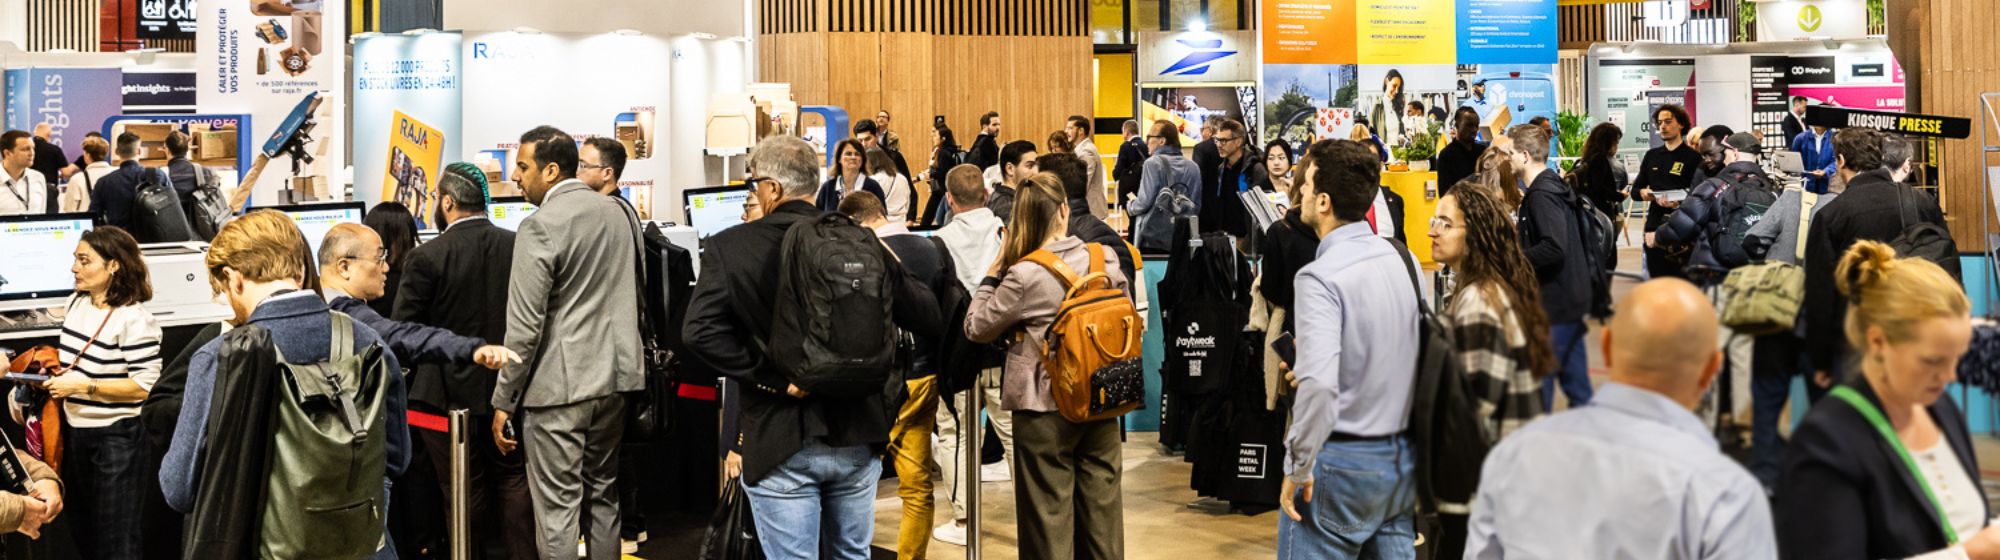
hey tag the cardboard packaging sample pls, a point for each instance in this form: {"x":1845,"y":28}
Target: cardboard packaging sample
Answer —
{"x":215,"y":144}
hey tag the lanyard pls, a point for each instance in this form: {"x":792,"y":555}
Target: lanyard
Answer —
{"x":17,"y":194}
{"x":1881,"y":424}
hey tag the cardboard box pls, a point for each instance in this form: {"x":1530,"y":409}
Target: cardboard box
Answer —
{"x":214,"y":144}
{"x":310,"y":188}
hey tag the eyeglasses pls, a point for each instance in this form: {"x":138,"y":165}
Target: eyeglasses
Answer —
{"x":1442,"y":225}
{"x":754,"y":182}
{"x":380,"y":256}
{"x":592,"y":166}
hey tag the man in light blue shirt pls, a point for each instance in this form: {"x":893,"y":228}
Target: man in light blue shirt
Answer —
{"x":1635,"y":474}
{"x":1357,"y":353}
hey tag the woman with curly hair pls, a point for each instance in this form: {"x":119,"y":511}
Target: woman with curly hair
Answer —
{"x":1494,"y":315}
{"x":1496,"y":169}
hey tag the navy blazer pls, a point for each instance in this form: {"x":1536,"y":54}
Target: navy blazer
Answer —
{"x":1845,"y":493}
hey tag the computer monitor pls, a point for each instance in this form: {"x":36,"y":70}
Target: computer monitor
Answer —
{"x":713,"y":209}
{"x":314,"y":220}
{"x":37,"y":250}
{"x":508,"y":211}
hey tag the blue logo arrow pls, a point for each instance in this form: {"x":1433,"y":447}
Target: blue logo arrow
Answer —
{"x":1198,"y":62}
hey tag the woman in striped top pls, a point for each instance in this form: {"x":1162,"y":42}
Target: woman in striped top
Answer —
{"x":1494,"y":313}
{"x":111,"y":347}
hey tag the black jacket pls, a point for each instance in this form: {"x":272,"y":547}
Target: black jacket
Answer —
{"x":920,"y":257}
{"x":236,"y":459}
{"x":1458,"y":161}
{"x":112,"y":196}
{"x":1598,"y":181}
{"x":732,"y":307}
{"x":1845,"y":494}
{"x":1001,"y":202}
{"x":1873,"y":207}
{"x":1289,"y":245}
{"x":49,"y":160}
{"x":1554,"y":247}
{"x":985,"y":152}
{"x":1665,"y":170}
{"x":1207,"y":158}
{"x":1091,"y":229}
{"x":1395,"y":203}
{"x":1690,"y":224}
{"x":1131,"y":164}
{"x":457,"y":281}
{"x":1221,"y":208}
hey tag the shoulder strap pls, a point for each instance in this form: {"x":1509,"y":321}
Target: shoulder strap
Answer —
{"x":1807,"y":200}
{"x":947,"y":266}
{"x":342,"y":346}
{"x":1416,"y":286}
{"x":1881,"y":424}
{"x":1055,"y":265}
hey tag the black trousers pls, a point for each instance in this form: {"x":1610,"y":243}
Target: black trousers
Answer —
{"x":102,"y":476}
{"x":497,"y":490}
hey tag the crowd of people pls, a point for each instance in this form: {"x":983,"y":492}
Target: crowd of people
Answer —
{"x":853,"y":338}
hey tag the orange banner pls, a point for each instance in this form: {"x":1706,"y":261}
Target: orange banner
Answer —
{"x":1309,"y":32}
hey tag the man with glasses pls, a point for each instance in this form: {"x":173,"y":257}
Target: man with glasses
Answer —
{"x":22,"y":190}
{"x":1165,"y":169}
{"x":1221,"y":209}
{"x":354,"y":269}
{"x":600,"y":164}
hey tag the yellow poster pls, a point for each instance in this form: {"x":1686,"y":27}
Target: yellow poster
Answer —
{"x":1406,"y":31}
{"x":416,"y":157}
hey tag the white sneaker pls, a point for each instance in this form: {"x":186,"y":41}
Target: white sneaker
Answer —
{"x":997,"y":472}
{"x":582,"y":549}
{"x":950,"y":533}
{"x":628,"y":547}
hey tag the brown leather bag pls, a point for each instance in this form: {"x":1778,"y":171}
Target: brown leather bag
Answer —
{"x":47,"y":360}
{"x":1092,"y":349}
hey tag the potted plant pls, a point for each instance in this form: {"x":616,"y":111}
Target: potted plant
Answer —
{"x":1571,"y":131}
{"x":1419,"y":148}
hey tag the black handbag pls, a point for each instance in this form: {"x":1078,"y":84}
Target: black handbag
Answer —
{"x":157,"y":216}
{"x":732,"y":533}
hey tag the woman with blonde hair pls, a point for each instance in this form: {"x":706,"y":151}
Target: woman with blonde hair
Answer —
{"x":1886,"y":468}
{"x":1496,"y":169}
{"x":1066,"y":474}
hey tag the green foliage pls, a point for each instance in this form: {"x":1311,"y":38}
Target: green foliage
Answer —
{"x":1877,"y":14}
{"x":1746,"y":14}
{"x":1347,"y":94}
{"x":1571,"y":130}
{"x":1420,"y":146}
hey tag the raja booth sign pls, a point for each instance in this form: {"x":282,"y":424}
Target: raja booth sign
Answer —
{"x":262,"y":57}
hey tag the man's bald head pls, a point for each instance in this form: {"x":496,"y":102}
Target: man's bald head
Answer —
{"x":43,"y":130}
{"x":346,"y":241}
{"x":1663,"y":339}
{"x":351,"y":261}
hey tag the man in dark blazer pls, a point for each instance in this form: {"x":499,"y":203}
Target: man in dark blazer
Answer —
{"x":458,"y":281}
{"x":985,"y":150}
{"x":833,"y":439}
{"x":1795,"y":120}
{"x":1131,"y":162}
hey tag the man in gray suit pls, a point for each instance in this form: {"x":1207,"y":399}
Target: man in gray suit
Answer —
{"x":1078,"y":129}
{"x":573,"y":318}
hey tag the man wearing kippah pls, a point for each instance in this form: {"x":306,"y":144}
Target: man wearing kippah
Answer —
{"x":459,"y":282}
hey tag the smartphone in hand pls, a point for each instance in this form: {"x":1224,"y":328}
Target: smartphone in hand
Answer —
{"x":1287,"y":348}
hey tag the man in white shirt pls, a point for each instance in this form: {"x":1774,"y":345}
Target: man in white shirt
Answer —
{"x":22,"y":190}
{"x":1078,"y":129}
{"x":973,"y":238}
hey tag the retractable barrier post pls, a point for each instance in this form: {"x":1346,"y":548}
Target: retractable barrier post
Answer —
{"x":461,"y":531}
{"x":974,"y":434}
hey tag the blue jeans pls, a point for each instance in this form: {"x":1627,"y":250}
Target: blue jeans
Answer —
{"x":1363,"y":496}
{"x":818,"y":504}
{"x":1572,"y":363}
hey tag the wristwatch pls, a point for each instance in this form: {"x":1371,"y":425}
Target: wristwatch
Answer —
{"x":92,"y":391}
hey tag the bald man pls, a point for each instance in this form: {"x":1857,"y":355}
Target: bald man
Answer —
{"x":354,"y":268}
{"x":1635,"y":474}
{"x":49,"y":156}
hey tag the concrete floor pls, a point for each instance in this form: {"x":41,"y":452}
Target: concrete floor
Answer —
{"x":1159,"y":522}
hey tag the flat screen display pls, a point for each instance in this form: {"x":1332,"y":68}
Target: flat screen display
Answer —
{"x":37,"y":250}
{"x":314,"y":220}
{"x":508,"y":212}
{"x":713,"y":209}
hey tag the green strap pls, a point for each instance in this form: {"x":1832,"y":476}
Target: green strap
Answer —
{"x":1874,"y":416}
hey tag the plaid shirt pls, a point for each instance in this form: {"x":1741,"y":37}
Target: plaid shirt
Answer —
{"x":1495,"y":355}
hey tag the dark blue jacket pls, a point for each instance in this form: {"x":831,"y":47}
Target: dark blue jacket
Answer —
{"x":112,"y":195}
{"x":1818,"y":156}
{"x":830,"y":193}
{"x":301,"y":327}
{"x":413,"y":343}
{"x":1553,"y":246}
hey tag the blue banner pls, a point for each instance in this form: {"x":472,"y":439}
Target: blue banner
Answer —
{"x":1507,"y":31}
{"x":72,"y":101}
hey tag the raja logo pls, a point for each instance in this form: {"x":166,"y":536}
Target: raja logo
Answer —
{"x":1809,"y":18}
{"x":1196,"y":63}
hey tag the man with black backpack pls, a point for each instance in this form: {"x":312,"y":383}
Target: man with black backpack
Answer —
{"x":139,"y":199}
{"x":1167,"y":184}
{"x":1874,"y":207}
{"x":1719,"y":212}
{"x":1553,"y":237}
{"x":803,"y":309}
{"x":972,"y":238}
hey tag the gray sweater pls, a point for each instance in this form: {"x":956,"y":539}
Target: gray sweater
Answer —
{"x":1780,"y":225}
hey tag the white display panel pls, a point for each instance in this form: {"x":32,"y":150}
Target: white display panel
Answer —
{"x":509,"y":215}
{"x":38,"y":254}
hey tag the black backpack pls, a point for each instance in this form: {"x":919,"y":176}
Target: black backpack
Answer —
{"x":1742,"y":205}
{"x":1924,"y":240}
{"x":831,"y":325}
{"x":1446,"y":431}
{"x":959,"y":360}
{"x":1600,"y":244}
{"x":156,"y":210}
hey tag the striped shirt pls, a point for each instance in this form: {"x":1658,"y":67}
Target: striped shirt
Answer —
{"x":128,"y":348}
{"x":1494,"y":352}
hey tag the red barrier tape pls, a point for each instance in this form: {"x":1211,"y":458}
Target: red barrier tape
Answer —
{"x":697,"y":392}
{"x":428,"y":421}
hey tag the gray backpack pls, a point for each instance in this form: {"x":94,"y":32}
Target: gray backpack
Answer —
{"x":324,"y":495}
{"x":1155,"y":229}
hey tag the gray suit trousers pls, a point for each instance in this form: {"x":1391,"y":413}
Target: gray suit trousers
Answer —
{"x":572,"y":471}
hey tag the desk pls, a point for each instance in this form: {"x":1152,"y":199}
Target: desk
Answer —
{"x":1418,"y":208}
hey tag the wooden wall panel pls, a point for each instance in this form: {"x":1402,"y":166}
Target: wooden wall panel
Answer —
{"x":1951,"y":60}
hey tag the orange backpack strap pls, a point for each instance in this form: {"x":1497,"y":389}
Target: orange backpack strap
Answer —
{"x":1055,"y":265}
